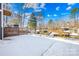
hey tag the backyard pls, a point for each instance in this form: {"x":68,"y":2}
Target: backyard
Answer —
{"x":40,"y":29}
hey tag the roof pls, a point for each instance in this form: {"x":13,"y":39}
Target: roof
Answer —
{"x":75,"y":34}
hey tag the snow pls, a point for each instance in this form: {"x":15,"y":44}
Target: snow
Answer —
{"x":35,"y":45}
{"x":24,"y":45}
{"x":63,"y":49}
{"x":74,"y":34}
{"x":53,"y":33}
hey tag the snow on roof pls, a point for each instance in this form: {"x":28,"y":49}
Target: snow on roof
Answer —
{"x":67,"y":31}
{"x":75,"y":34}
{"x":53,"y":33}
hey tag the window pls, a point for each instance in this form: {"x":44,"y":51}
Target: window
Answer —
{"x":0,"y":6}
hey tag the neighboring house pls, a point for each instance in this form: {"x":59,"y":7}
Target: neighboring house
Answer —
{"x":78,"y":30}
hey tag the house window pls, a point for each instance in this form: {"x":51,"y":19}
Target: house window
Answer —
{"x":66,"y":29}
{"x":0,"y":6}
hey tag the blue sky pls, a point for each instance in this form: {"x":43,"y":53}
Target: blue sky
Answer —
{"x":49,"y":10}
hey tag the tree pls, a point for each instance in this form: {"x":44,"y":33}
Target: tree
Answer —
{"x":40,"y":20}
{"x":14,"y":22}
{"x":74,"y":12}
{"x":50,"y":25}
{"x":6,"y":12}
{"x":32,"y":23}
{"x":50,"y":22}
{"x":74,"y":15}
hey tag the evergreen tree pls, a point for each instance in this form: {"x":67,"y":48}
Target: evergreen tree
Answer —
{"x":32,"y":23}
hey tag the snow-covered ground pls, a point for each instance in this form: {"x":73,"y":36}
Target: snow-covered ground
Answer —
{"x":35,"y":45}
